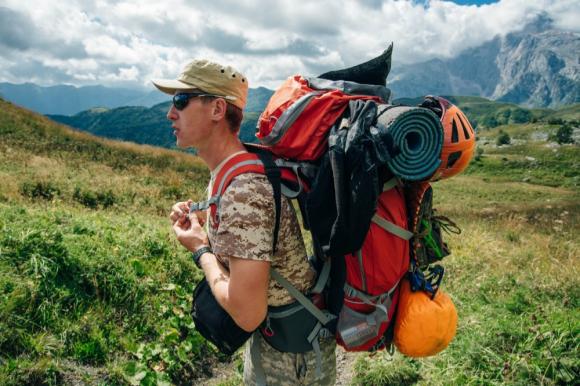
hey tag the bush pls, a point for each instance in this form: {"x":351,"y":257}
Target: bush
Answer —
{"x":40,"y":189}
{"x":564,"y":134}
{"x":503,"y":138}
{"x":93,"y":200}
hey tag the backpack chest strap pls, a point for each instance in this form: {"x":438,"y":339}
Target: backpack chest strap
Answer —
{"x":203,"y":205}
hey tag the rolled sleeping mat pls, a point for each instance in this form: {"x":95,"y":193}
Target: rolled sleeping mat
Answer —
{"x":418,"y":134}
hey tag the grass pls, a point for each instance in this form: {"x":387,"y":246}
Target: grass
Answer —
{"x":528,"y":159}
{"x":94,"y":289}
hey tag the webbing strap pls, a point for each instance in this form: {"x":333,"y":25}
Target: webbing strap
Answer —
{"x":363,"y":277}
{"x":322,"y":278}
{"x":392,"y":228}
{"x":256,"y":355}
{"x":353,"y":292}
{"x":313,"y":337}
{"x":306,"y":303}
{"x":377,"y":300}
{"x":203,"y":205}
{"x":274,"y":176}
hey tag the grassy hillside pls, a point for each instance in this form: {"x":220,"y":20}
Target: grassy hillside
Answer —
{"x":92,"y":286}
{"x":94,"y":290}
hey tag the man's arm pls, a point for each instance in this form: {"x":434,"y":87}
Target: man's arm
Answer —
{"x":242,"y":291}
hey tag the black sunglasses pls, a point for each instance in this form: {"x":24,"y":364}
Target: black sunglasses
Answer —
{"x":181,"y":100}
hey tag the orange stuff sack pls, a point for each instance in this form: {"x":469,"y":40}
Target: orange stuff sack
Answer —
{"x":424,"y":326}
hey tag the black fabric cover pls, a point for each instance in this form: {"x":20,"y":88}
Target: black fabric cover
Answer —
{"x":344,"y":194}
{"x":214,"y":323}
{"x":374,"y":71}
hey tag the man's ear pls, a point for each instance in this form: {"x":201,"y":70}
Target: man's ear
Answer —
{"x":218,"y":111}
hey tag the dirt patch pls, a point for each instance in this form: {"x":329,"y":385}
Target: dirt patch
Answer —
{"x":344,"y":366}
{"x":76,"y":374}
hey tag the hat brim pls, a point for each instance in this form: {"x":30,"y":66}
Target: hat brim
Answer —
{"x":170,"y":86}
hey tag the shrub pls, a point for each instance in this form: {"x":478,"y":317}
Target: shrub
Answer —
{"x":40,"y":189}
{"x":88,"y":199}
{"x":503,"y":138}
{"x":563,"y":135}
{"x":93,"y":200}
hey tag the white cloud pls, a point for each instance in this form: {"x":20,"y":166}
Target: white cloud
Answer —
{"x":132,"y":41}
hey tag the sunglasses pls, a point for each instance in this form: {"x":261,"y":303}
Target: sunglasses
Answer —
{"x":181,"y":100}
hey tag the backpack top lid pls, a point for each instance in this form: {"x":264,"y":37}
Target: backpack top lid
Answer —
{"x":298,"y":117}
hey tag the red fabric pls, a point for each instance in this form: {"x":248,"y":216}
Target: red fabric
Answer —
{"x":306,"y":138}
{"x":385,"y":260}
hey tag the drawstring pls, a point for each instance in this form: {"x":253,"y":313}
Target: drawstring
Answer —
{"x":447,"y":224}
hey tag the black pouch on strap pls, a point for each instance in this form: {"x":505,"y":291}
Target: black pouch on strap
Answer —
{"x":214,"y":323}
{"x":290,"y":328}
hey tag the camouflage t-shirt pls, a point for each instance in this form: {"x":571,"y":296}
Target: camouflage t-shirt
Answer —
{"x":246,"y":224}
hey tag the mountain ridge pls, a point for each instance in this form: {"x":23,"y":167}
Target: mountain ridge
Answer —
{"x":150,"y":125}
{"x":536,"y":67}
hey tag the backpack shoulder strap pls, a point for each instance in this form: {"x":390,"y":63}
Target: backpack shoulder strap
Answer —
{"x":274,"y":175}
{"x":260,"y":163}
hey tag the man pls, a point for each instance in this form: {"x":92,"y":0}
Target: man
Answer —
{"x":208,"y":99}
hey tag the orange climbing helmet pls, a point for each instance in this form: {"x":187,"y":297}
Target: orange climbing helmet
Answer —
{"x":458,"y":137}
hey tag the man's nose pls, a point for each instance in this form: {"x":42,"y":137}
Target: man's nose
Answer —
{"x":172,"y":113}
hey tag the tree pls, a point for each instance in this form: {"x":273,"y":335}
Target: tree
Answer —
{"x":503,"y":138}
{"x":564,"y":134}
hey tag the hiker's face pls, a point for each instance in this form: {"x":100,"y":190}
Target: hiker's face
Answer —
{"x":192,"y":124}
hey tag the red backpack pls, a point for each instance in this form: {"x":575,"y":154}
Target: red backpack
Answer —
{"x":373,"y":274}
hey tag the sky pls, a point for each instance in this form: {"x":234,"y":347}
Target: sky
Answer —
{"x":126,"y":43}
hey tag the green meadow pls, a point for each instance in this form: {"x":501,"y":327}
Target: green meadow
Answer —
{"x":94,"y":290}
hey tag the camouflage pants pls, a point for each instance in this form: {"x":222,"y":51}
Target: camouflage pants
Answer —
{"x":282,"y":368}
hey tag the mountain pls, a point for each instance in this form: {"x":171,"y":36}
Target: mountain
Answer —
{"x":150,"y":126}
{"x":141,"y":125}
{"x":536,"y":67}
{"x":257,"y":99}
{"x":70,"y":100}
{"x":131,"y":123}
{"x":67,"y":100}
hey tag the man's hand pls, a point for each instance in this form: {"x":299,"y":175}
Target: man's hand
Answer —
{"x":188,"y":227}
{"x":180,"y":210}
